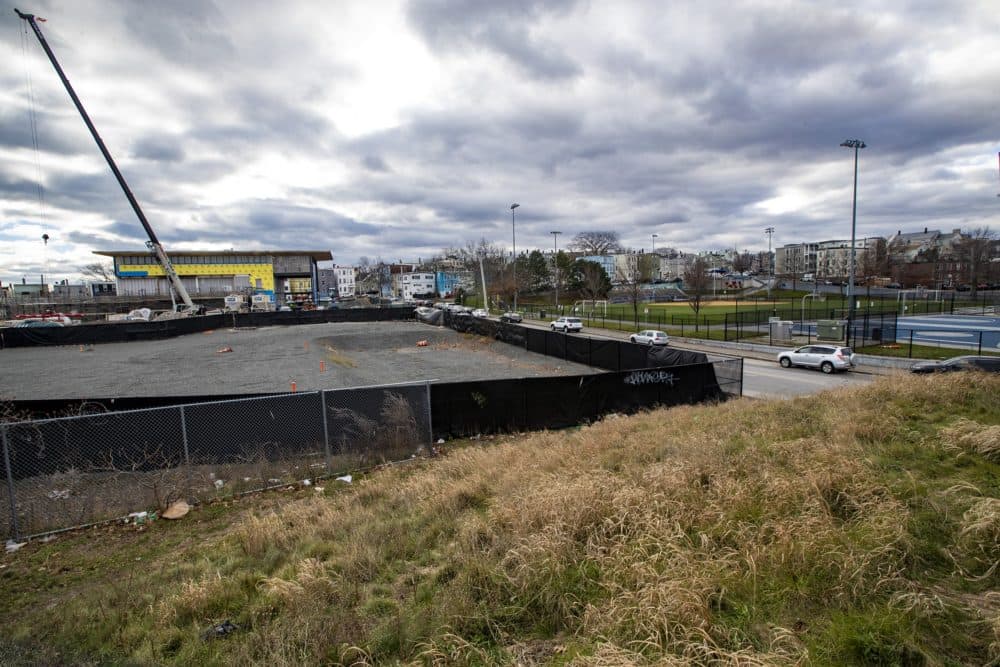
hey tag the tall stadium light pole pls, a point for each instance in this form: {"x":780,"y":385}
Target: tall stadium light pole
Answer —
{"x":857,"y":145}
{"x":555,"y":262}
{"x":770,"y":260}
{"x":513,"y":233}
{"x":654,"y":237}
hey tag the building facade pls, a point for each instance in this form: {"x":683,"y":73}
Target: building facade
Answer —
{"x":290,"y":275}
{"x":415,"y":285}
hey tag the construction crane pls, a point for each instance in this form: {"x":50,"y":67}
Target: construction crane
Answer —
{"x":188,"y":306}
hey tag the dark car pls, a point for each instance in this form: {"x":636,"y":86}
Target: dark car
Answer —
{"x":511,"y":316}
{"x":963,"y":363}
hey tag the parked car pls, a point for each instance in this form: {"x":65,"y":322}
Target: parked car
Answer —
{"x":480,"y":312}
{"x":827,"y":358}
{"x":511,"y":316}
{"x":649,"y":337}
{"x":567,"y":324}
{"x":38,"y":323}
{"x":963,"y":363}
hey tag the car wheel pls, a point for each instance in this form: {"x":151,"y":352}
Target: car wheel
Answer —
{"x":631,"y":339}
{"x":826,"y":367}
{"x":553,"y":327}
{"x":785,"y":362}
{"x":650,"y":343}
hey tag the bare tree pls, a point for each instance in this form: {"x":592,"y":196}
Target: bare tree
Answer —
{"x":631,"y":284}
{"x":976,"y":251}
{"x":103,"y":271}
{"x":696,"y":285}
{"x":590,"y":279}
{"x":596,"y":243}
{"x":742,"y":262}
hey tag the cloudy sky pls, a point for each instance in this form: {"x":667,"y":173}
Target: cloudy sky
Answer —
{"x":394,"y":129}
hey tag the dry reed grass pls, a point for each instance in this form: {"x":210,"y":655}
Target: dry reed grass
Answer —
{"x":728,"y":535}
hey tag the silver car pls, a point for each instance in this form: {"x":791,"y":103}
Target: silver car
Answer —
{"x":649,"y":337}
{"x":827,"y":358}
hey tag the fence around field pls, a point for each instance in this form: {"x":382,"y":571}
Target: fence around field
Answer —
{"x":750,"y":316}
{"x":120,"y":332}
{"x":67,"y":472}
{"x":73,"y":471}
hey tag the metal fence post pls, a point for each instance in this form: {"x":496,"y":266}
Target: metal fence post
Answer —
{"x":430,"y":416}
{"x":326,"y":432}
{"x":910,"y":352}
{"x":980,"y":342}
{"x":10,"y":485}
{"x":187,"y":453}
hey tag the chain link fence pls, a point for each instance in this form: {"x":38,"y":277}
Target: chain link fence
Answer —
{"x":69,"y":472}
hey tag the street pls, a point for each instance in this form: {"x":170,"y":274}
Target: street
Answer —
{"x":762,"y":378}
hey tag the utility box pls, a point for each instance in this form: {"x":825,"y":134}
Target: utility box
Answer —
{"x":830,"y":330}
{"x":781,"y":330}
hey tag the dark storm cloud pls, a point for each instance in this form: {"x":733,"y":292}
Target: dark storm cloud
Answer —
{"x":457,"y":25}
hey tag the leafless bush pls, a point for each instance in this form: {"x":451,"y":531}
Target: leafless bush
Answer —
{"x":391,"y":437}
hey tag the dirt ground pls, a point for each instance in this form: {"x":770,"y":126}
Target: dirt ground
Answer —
{"x":269,"y":359}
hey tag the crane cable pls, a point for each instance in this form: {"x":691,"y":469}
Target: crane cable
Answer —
{"x":32,"y":118}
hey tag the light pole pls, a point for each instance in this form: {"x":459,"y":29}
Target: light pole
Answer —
{"x":555,"y":263}
{"x":857,"y":145}
{"x":654,"y":237}
{"x":45,"y":242}
{"x":513,"y":232}
{"x":770,"y":260}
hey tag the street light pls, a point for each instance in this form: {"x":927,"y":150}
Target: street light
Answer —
{"x":770,"y":260}
{"x":513,"y":232}
{"x":555,"y":262}
{"x":654,"y":236}
{"x":857,"y":145}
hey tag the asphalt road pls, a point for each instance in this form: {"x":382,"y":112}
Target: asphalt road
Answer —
{"x":762,"y":376}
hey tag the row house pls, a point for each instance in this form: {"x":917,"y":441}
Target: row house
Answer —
{"x":928,"y":258}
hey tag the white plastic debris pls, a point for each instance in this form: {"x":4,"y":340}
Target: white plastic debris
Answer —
{"x":13,"y":546}
{"x":58,"y":494}
{"x":307,"y":482}
{"x":440,"y":441}
{"x":219,"y":483}
{"x":246,"y":479}
{"x":345,"y":478}
{"x":319,"y":489}
{"x":274,"y":480}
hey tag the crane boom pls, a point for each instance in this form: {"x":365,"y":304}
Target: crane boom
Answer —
{"x":153,"y":243}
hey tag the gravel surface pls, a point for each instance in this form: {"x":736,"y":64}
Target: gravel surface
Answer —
{"x":268,"y":360}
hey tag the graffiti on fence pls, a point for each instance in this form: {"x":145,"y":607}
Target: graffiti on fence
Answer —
{"x":651,"y":377}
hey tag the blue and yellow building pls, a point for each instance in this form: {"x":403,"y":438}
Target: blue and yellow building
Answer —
{"x":290,"y":275}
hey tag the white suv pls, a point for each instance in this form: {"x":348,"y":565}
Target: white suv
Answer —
{"x":827,"y":358}
{"x":567,"y":324}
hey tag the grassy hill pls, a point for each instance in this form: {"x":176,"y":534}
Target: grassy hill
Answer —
{"x":852,"y":527}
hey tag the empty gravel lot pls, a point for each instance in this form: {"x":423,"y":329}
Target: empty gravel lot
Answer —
{"x":268,"y":360}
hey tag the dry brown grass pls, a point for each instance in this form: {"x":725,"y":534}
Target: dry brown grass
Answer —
{"x":729,"y":535}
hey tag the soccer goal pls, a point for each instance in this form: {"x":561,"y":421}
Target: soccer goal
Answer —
{"x":591,"y":307}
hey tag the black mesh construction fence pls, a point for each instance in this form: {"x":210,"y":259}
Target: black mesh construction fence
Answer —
{"x":72,"y":471}
{"x":119,"y":332}
{"x":470,"y":408}
{"x":612,"y":355}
